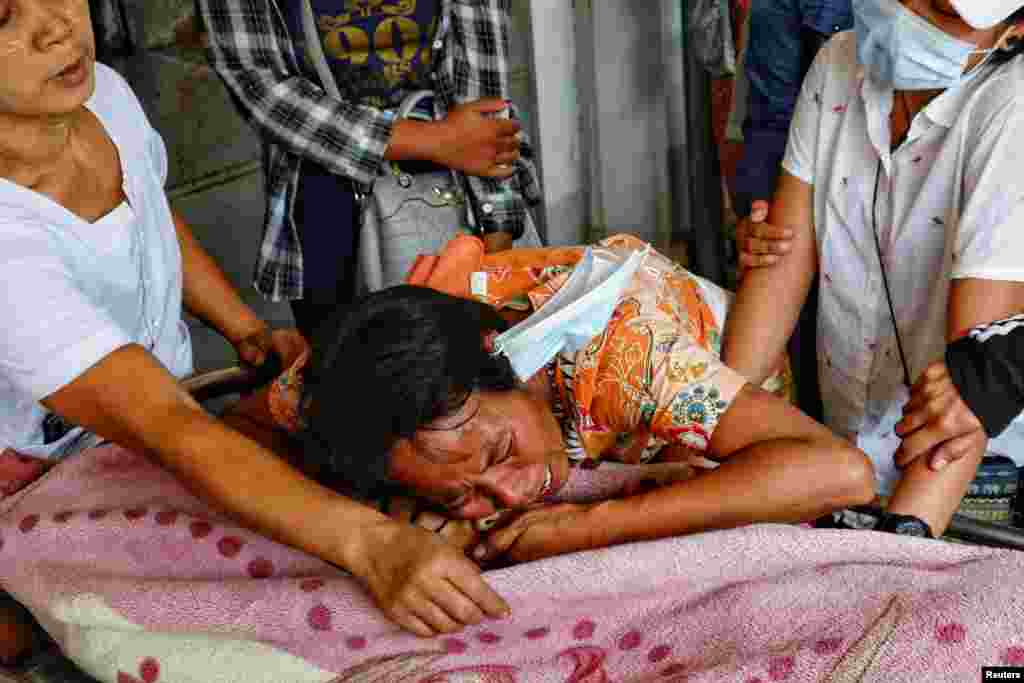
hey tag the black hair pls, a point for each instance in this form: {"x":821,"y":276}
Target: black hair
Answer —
{"x":386,"y":366}
{"x":1015,"y":46}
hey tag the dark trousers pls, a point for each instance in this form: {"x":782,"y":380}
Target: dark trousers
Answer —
{"x":327,"y":220}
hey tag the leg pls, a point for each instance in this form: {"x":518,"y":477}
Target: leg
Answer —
{"x":329,"y":243}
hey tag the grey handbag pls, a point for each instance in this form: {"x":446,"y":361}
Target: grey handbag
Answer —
{"x":403,"y":214}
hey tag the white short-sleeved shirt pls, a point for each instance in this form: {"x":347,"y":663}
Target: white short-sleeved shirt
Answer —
{"x":950,"y":205}
{"x":72,"y":292}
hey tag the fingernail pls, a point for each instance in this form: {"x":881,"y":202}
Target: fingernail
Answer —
{"x":479,"y":552}
{"x":940,"y":464}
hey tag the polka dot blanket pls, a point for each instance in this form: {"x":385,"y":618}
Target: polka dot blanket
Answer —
{"x":140,"y":582}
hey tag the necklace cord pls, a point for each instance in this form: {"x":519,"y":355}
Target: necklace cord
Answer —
{"x":885,"y":277}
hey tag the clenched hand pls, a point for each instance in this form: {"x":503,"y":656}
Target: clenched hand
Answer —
{"x":541,"y":532}
{"x":759,"y":242}
{"x":476,"y":143}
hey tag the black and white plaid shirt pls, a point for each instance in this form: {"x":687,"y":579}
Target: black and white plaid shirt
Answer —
{"x":252,"y":51}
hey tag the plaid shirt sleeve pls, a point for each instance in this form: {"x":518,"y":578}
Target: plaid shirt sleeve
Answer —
{"x":477,"y":65}
{"x":251,"y":51}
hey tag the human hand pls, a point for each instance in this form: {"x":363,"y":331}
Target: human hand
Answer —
{"x":543,"y":531}
{"x":936,"y":420}
{"x":421,"y":582}
{"x":459,"y":533}
{"x":760,"y":243}
{"x":478,"y":144}
{"x":497,"y":241}
{"x":289,"y":344}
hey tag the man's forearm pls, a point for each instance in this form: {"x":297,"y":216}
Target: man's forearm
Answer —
{"x":769,"y":299}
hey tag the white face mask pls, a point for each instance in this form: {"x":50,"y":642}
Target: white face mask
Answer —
{"x":577,"y":313}
{"x":905,"y":51}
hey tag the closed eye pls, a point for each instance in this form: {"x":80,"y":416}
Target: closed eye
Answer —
{"x":459,"y":499}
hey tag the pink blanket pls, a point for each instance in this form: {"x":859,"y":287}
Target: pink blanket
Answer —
{"x":139,"y":581}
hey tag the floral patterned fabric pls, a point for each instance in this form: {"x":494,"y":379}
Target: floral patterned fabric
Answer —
{"x":652,"y":385}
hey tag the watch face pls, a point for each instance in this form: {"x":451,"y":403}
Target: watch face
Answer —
{"x":905,"y":525}
{"x":911,"y":527}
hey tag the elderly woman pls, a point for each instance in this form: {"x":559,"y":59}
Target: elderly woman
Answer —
{"x":96,"y":270}
{"x":900,"y":193}
{"x":440,"y":413}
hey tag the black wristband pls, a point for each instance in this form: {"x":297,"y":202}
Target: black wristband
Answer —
{"x":987,"y":367}
{"x":904,"y":525}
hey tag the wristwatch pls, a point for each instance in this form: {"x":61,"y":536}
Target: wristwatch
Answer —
{"x":905,"y":525}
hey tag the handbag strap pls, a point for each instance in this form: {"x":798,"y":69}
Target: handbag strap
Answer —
{"x":315,"y":50}
{"x":411,"y":101}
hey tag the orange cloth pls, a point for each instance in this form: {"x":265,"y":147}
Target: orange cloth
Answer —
{"x":449,"y":271}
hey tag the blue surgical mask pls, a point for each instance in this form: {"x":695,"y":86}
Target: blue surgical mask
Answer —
{"x":578,"y":312}
{"x":905,"y":51}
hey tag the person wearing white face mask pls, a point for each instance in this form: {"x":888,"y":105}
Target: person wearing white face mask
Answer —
{"x":901,"y":193}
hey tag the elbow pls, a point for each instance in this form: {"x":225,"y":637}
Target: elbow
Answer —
{"x":853,"y":479}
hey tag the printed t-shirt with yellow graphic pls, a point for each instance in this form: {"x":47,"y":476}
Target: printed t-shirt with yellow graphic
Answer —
{"x":378,"y":50}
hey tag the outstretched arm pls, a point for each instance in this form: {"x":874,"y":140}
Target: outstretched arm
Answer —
{"x":420,"y":582}
{"x":779,"y":466}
